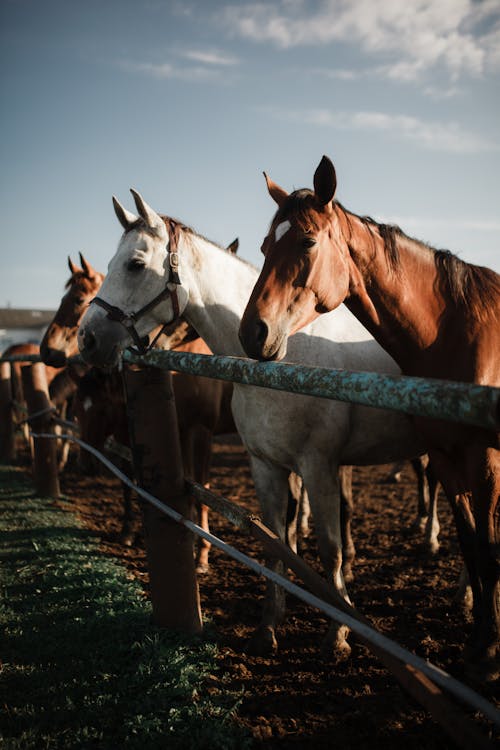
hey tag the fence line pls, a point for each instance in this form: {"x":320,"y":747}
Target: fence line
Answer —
{"x":368,"y":633}
{"x":467,"y":403}
{"x":439,"y":399}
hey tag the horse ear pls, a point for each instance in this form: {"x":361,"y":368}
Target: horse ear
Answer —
{"x":325,"y":181}
{"x":152,"y":219}
{"x":87,"y":268}
{"x":72,"y":266}
{"x":126,"y":218}
{"x":233,"y":247}
{"x":275,"y":191}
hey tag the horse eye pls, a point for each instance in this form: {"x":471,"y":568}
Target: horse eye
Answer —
{"x":135,"y":265}
{"x":308,"y":242}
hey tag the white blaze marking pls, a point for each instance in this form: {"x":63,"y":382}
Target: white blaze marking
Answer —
{"x":281,"y":229}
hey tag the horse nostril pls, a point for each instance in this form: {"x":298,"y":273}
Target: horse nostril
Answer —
{"x":262,"y":331}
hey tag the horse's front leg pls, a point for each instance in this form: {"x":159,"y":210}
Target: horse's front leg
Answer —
{"x":271,"y":485}
{"x":322,"y":483}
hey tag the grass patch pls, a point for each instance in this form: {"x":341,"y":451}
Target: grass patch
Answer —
{"x":82,"y":665}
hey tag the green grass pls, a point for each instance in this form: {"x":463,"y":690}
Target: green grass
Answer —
{"x":82,"y":665}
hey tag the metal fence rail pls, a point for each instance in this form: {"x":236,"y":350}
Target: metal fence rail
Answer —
{"x":440,"y":399}
{"x":467,"y":403}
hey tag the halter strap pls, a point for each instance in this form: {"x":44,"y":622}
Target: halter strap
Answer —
{"x":129,"y":320}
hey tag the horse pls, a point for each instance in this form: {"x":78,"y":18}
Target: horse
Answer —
{"x":436,"y":315}
{"x":203,"y":404}
{"x":162,"y":269}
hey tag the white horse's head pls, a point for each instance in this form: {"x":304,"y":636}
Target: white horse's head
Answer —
{"x":141,"y":290}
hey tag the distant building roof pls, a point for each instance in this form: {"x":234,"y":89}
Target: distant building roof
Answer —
{"x":18,"y":318}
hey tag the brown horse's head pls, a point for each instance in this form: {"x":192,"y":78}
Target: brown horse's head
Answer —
{"x":295,"y":284}
{"x":60,"y":341}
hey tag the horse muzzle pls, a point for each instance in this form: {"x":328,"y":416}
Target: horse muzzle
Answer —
{"x":99,"y":348}
{"x":260,"y":340}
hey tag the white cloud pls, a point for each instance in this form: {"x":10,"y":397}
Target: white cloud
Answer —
{"x":169,"y":71}
{"x":206,"y":65}
{"x":461,"y":35}
{"x":431,"y":135}
{"x":210,"y":57}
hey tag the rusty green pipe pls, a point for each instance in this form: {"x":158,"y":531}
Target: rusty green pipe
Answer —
{"x":439,"y":399}
{"x":468,"y":403}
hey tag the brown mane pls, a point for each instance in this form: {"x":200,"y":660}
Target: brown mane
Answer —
{"x":469,"y":286}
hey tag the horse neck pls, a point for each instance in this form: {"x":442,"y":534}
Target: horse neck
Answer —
{"x":399,"y":303}
{"x":219,"y":286}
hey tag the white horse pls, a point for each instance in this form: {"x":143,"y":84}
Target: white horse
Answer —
{"x":162,"y":269}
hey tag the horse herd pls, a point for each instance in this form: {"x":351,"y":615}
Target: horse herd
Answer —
{"x":407,"y":309}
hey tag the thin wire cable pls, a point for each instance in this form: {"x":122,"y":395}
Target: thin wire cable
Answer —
{"x":437,"y":675}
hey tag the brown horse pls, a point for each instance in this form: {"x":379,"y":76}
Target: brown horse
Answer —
{"x":203,"y":405}
{"x":436,"y":315}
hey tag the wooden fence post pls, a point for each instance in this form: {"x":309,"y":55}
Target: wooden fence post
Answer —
{"x":36,"y":393}
{"x":154,"y":439}
{"x":7,"y":433}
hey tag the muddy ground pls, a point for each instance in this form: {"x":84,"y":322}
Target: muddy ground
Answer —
{"x":301,"y":698}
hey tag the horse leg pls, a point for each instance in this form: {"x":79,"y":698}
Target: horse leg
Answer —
{"x":63,"y":458}
{"x":463,"y":595}
{"x":292,"y":510}
{"x":271,"y":485}
{"x":432,"y":528}
{"x":419,"y":466}
{"x":346,"y":513}
{"x":298,"y":511}
{"x":484,"y":468}
{"x":460,"y":502}
{"x":322,"y":483}
{"x":127,"y":535}
{"x":202,"y":455}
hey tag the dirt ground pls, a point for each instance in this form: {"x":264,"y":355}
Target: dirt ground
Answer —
{"x":301,"y":698}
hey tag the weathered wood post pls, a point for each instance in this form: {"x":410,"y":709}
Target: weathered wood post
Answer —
{"x":36,"y":393}
{"x":154,"y":438}
{"x":7,"y":432}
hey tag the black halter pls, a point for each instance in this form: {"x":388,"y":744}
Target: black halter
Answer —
{"x":143,"y":345}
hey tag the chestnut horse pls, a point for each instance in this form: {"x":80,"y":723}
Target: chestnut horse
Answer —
{"x":436,"y":315}
{"x":203,"y":405}
{"x":163,"y":268}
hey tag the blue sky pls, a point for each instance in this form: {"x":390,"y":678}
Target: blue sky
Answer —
{"x":189,"y":102}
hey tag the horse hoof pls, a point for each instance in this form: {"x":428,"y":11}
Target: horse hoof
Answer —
{"x":202,"y":569}
{"x":263,"y":642}
{"x":128,"y":539}
{"x":430,"y":549}
{"x":335,"y":642}
{"x":347,"y":573}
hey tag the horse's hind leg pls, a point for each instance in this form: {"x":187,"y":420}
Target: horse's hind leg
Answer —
{"x":271,"y":485}
{"x":346,"y":513}
{"x":419,"y":466}
{"x":484,"y":467}
{"x":432,"y":528}
{"x":298,"y":511}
